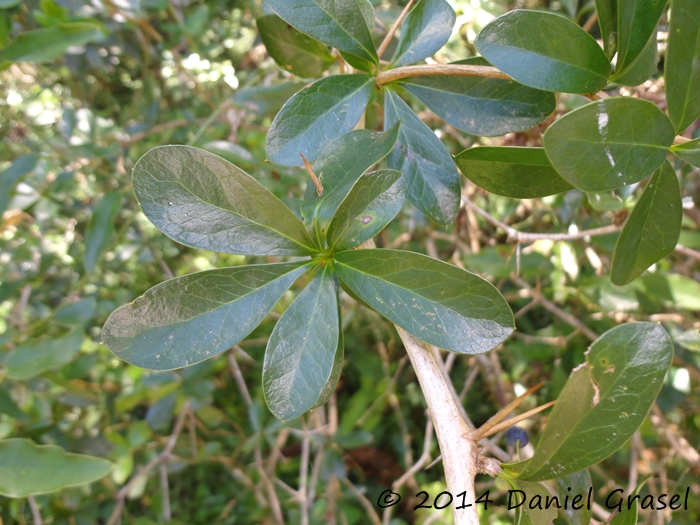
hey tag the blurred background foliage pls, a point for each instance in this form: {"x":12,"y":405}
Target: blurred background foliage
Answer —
{"x":115,"y":78}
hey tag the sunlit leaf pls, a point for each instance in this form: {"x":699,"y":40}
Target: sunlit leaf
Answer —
{"x":424,"y":31}
{"x":46,"y":44}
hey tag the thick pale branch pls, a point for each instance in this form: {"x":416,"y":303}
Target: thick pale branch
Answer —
{"x":462,"y":70}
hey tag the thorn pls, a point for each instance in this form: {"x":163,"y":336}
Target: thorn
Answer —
{"x":317,"y":183}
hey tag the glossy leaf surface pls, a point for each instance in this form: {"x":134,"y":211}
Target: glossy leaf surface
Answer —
{"x":188,"y":319}
{"x":643,"y":67}
{"x":424,"y":31}
{"x":199,"y":199}
{"x":689,"y":152}
{"x":609,"y":143}
{"x":291,"y":49}
{"x":572,"y":485}
{"x":682,"y":64}
{"x":46,"y":44}
{"x":432,"y":181}
{"x":521,"y":173}
{"x":315,"y":116}
{"x":546,"y":51}
{"x":100,"y":229}
{"x":636,"y":22}
{"x":339,"y":24}
{"x":301,"y":351}
{"x":26,"y":468}
{"x":372,"y":203}
{"x":33,"y":357}
{"x":340,"y":165}
{"x":482,"y":106}
{"x":536,"y":515}
{"x":652,"y":230}
{"x":607,"y":22}
{"x":604,"y":401}
{"x":439,"y":303}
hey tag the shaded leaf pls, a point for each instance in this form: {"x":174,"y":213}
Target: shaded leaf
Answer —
{"x":439,"y":303}
{"x":301,"y":352}
{"x":603,"y":403}
{"x":546,"y":51}
{"x":482,"y":106}
{"x":607,"y":21}
{"x":609,"y":143}
{"x":628,"y":516}
{"x":521,"y":173}
{"x":11,"y":176}
{"x":9,"y":407}
{"x":339,"y":24}
{"x":431,"y":178}
{"x":688,"y":151}
{"x":644,"y":67}
{"x":26,"y":468}
{"x":682,"y":64}
{"x":315,"y":116}
{"x":652,"y":230}
{"x":188,"y":319}
{"x":77,"y":313}
{"x":537,"y":515}
{"x":372,"y":203}
{"x":198,"y":199}
{"x":33,"y":357}
{"x":291,"y":49}
{"x":46,"y":44}
{"x":266,"y":100}
{"x":636,"y":21}
{"x":570,"y":486}
{"x":100,"y":229}
{"x":424,"y":31}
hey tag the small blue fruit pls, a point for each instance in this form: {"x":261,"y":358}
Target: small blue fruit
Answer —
{"x":517,"y":434}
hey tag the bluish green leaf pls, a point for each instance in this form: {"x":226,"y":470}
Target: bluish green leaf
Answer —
{"x":198,"y":199}
{"x":437,"y":302}
{"x":372,"y":203}
{"x":609,"y":143}
{"x":188,"y":319}
{"x":266,"y":100}
{"x":11,"y":176}
{"x":521,"y":173}
{"x":636,"y":21}
{"x":301,"y":352}
{"x":688,"y":151}
{"x":46,"y":44}
{"x":652,"y":230}
{"x":607,"y":21}
{"x":98,"y":234}
{"x":339,"y":24}
{"x":35,"y":356}
{"x":77,"y":313}
{"x":424,"y":31}
{"x":482,"y":106}
{"x":9,"y":407}
{"x":431,"y":178}
{"x":291,"y":49}
{"x":570,"y":486}
{"x":234,"y":153}
{"x":315,"y":116}
{"x":26,"y":468}
{"x":546,"y":51}
{"x":682,"y":64}
{"x":603,"y":403}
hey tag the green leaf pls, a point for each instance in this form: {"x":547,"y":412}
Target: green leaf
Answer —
{"x":688,"y":151}
{"x":6,"y":4}
{"x":682,"y":64}
{"x":100,"y":229}
{"x":11,"y":176}
{"x":482,"y":106}
{"x":77,"y":313}
{"x":339,"y":24}
{"x":642,"y":68}
{"x":44,"y":45}
{"x":302,"y":349}
{"x":339,"y":166}
{"x":521,"y":173}
{"x":188,"y":319}
{"x":603,"y":403}
{"x":198,"y":199}
{"x":652,"y":230}
{"x":27,"y":469}
{"x":570,"y":486}
{"x":266,"y":100}
{"x":609,"y":143}
{"x":372,"y":203}
{"x":607,"y":21}
{"x":315,"y":116}
{"x":437,"y":302}
{"x":33,"y":357}
{"x":9,"y":407}
{"x":541,"y":515}
{"x":627,"y":516}
{"x":546,"y":51}
{"x":636,"y":21}
{"x":234,"y":153}
{"x":293,"y":50}
{"x":424,"y":31}
{"x":431,"y":178}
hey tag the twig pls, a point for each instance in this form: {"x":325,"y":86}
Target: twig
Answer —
{"x":36,"y":515}
{"x":314,"y":178}
{"x":462,"y":70}
{"x":209,"y":120}
{"x":302,"y":493}
{"x":503,"y":413}
{"x":422,"y":460}
{"x":387,"y":39}
{"x":512,"y":421}
{"x":688,"y":252}
{"x":366,"y":504}
{"x":165,"y":492}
